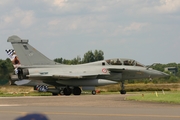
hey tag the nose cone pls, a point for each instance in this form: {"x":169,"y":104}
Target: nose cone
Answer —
{"x":162,"y":74}
{"x":158,"y":74}
{"x":165,"y":74}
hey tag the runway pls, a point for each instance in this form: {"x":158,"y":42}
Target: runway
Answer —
{"x":88,"y":107}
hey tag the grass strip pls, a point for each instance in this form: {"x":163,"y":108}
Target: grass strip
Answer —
{"x":25,"y":94}
{"x":162,"y":97}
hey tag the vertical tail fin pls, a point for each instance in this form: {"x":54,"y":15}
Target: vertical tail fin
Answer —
{"x":27,"y":54}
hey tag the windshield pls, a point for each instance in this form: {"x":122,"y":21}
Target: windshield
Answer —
{"x":128,"y":62}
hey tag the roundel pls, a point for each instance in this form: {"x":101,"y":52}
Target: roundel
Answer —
{"x":104,"y":70}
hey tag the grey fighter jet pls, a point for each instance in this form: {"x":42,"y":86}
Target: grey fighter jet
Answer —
{"x":35,"y":69}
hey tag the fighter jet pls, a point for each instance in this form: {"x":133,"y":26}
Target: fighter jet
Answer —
{"x":32,"y":68}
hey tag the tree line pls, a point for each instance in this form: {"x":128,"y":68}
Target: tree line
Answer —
{"x":88,"y":57}
{"x":6,"y":67}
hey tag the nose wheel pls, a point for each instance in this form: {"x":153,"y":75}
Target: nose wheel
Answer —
{"x":122,"y":91}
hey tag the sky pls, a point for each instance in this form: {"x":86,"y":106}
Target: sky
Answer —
{"x":145,"y":30}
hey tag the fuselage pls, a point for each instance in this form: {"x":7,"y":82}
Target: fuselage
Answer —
{"x":94,"y":74}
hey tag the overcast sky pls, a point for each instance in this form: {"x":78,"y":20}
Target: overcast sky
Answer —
{"x":145,"y":30}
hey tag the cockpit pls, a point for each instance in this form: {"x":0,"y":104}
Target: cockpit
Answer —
{"x":128,"y":62}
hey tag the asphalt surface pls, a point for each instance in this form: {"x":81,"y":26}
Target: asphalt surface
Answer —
{"x":86,"y":107}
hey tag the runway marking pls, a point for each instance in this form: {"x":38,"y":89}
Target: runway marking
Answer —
{"x":115,"y":115}
{"x":6,"y":105}
{"x":93,"y":114}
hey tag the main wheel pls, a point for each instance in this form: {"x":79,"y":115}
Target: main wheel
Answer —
{"x":67,"y":91}
{"x":76,"y":91}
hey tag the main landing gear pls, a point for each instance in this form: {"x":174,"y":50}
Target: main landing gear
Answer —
{"x":68,"y":91}
{"x":75,"y":91}
{"x":122,"y":91}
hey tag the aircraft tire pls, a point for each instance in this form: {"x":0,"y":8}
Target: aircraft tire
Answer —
{"x":67,"y":91}
{"x":76,"y":91}
{"x":93,"y":92}
{"x":123,"y":92}
{"x":55,"y":94}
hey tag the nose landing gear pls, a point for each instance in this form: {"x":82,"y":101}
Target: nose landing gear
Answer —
{"x":122,"y":91}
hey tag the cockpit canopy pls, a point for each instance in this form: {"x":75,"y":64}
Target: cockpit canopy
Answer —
{"x":128,"y":62}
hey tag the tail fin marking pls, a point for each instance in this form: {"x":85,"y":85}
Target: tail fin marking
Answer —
{"x":14,"y":59}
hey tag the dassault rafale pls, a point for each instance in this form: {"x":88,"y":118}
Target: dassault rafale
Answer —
{"x":32,"y":68}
